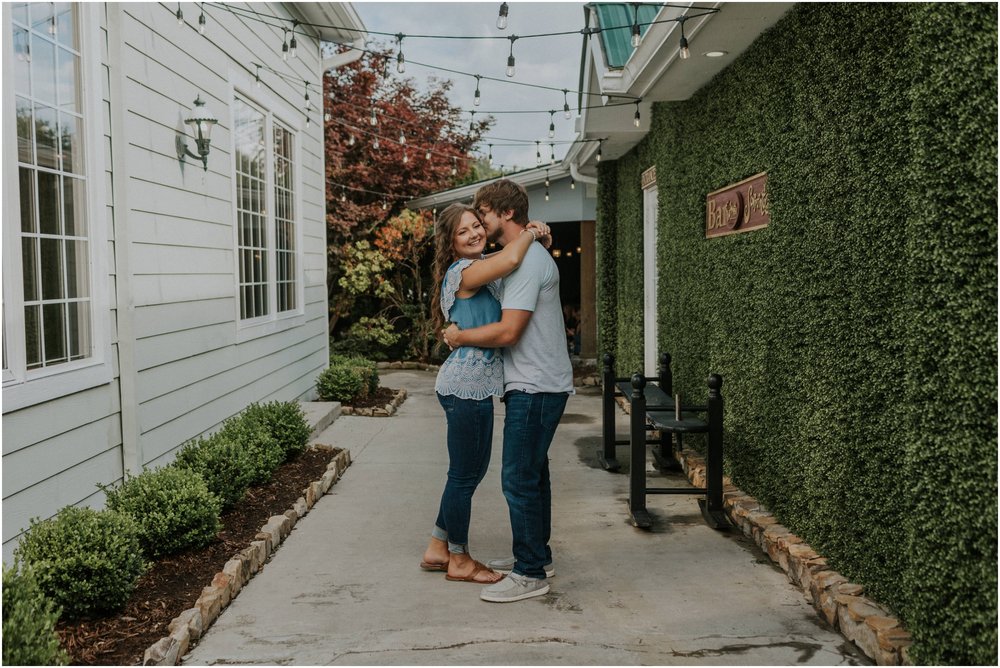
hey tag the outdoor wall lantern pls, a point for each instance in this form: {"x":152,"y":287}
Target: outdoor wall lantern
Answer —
{"x":201,"y":120}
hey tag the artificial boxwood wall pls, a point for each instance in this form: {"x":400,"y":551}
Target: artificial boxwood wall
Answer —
{"x":857,"y":333}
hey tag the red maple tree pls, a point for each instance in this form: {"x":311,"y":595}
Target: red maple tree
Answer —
{"x":366,"y":186}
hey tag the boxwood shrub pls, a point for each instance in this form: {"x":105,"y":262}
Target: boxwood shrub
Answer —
{"x":347,"y":379}
{"x":264,"y":452}
{"x":87,"y":561}
{"x":224,"y":464}
{"x":29,"y":622}
{"x":285,"y":421}
{"x":172,"y":507}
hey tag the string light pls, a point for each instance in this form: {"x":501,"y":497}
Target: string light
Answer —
{"x":600,"y":145}
{"x":472,"y":119}
{"x":308,"y":103}
{"x":552,"y":160}
{"x":373,"y":120}
{"x":566,"y":111}
{"x":546,"y":178}
{"x":685,"y":51}
{"x":572,"y":183}
{"x":400,"y":60}
{"x":284,"y":45}
{"x":406,"y":158}
{"x":490,"y":157}
{"x":636,"y":32}
{"x":375,"y":144}
{"x":477,"y":99}
{"x":385,"y":205}
{"x":546,"y":193}
{"x":179,"y":15}
{"x":308,"y":120}
{"x":427,"y":155}
{"x":510,"y":58}
{"x":257,"y":75}
{"x":454,"y":165}
{"x":552,"y":124}
{"x":538,"y":153}
{"x":636,"y":117}
{"x":502,"y":17}
{"x":343,"y":194}
{"x":293,"y":47}
{"x":351,"y":140}
{"x":402,"y":137}
{"x":201,"y":20}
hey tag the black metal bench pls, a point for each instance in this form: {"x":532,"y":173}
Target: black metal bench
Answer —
{"x":653,"y":409}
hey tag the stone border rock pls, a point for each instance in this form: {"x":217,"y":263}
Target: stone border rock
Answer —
{"x":861,"y":620}
{"x":407,"y":365}
{"x":193,"y":622}
{"x":385,"y":411}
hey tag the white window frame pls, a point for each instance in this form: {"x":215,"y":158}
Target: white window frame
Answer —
{"x":274,"y":109}
{"x":23,"y":388}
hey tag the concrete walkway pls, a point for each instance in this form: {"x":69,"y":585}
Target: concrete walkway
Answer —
{"x":345,"y":588}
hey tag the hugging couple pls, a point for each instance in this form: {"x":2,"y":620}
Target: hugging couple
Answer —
{"x":508,"y":340}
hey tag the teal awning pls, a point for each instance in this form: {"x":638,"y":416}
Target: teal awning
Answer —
{"x":617,"y":43}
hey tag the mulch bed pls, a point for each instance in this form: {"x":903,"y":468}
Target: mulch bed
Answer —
{"x":380,"y":398}
{"x":173,"y":583}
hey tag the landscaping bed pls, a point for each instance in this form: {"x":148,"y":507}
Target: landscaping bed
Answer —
{"x":174,"y":582}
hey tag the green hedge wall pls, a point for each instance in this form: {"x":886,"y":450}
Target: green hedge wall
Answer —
{"x":857,"y":333}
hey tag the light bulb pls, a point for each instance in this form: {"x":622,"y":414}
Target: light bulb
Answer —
{"x":552,"y":130}
{"x":373,"y":120}
{"x":350,"y":140}
{"x":427,"y":155}
{"x":180,"y":15}
{"x":284,"y":50}
{"x":201,"y":23}
{"x":502,"y":17}
{"x":343,"y":196}
{"x":385,"y":205}
{"x":400,"y":63}
{"x":402,"y":137}
{"x":406,"y":158}
{"x":636,"y":118}
{"x":326,"y":116}
{"x":293,"y":48}
{"x":307,"y":120}
{"x":546,"y":195}
{"x":454,"y":171}
{"x":685,"y":51}
{"x":477,"y":99}
{"x":376,"y":144}
{"x":566,"y":111}
{"x":572,"y":184}
{"x":510,"y":66}
{"x":636,"y":36}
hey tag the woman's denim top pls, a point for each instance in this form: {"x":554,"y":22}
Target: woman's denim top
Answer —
{"x":470,"y":372}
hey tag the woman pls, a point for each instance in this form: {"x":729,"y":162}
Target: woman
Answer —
{"x":468,"y":379}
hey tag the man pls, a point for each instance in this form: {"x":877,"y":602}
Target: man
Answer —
{"x":538,"y":379}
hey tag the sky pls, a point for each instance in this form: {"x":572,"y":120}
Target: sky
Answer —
{"x":549,"y":61}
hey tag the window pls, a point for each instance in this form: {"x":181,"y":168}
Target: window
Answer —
{"x":267,"y":214}
{"x":51,"y":250}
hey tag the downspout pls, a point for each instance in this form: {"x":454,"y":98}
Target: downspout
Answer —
{"x":574,"y":169}
{"x":356,"y":50}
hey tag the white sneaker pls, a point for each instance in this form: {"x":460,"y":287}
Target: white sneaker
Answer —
{"x":507,"y":565}
{"x":514,"y":587}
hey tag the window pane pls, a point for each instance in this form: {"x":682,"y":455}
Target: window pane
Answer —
{"x":19,"y":10}
{"x":74,"y":206}
{"x":48,"y":203}
{"x":70,"y":134}
{"x":22,"y":62}
{"x":79,"y":330}
{"x":66,"y":25}
{"x":41,"y":16}
{"x":77,"y":277}
{"x":68,"y":77}
{"x":27,"y":201}
{"x":25,"y":141}
{"x":29,"y":268}
{"x":46,"y":136}
{"x":43,"y":69}
{"x":52,"y":269}
{"x":54,"y":328}
{"x":33,"y":336}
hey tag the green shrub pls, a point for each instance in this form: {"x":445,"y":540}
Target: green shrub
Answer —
{"x":29,"y":623}
{"x":264,"y":452}
{"x":87,"y":561}
{"x":366,"y":368}
{"x":172,"y":507}
{"x":340,"y":382}
{"x":224,"y":465}
{"x":285,"y":421}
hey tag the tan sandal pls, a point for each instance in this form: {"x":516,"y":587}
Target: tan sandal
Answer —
{"x":478,"y":568}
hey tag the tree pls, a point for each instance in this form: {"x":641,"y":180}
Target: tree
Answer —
{"x":367,"y":187}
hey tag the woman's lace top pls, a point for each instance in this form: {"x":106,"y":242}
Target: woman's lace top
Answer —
{"x":470,"y":372}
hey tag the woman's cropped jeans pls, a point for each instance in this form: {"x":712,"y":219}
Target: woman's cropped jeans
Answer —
{"x":470,"y":442}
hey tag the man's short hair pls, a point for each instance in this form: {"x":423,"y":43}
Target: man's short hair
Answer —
{"x":504,"y":195}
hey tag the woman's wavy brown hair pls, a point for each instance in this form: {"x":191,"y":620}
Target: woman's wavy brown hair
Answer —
{"x":444,"y":253}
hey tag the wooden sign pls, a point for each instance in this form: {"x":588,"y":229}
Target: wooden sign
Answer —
{"x":740,"y":207}
{"x":649,"y":177}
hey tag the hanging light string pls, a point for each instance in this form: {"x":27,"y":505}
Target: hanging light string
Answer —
{"x":583,"y":31}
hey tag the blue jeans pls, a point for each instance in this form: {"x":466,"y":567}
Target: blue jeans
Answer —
{"x":527,"y":433}
{"x":470,"y":442}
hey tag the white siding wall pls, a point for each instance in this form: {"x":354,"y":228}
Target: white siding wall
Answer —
{"x":189,"y":368}
{"x":55,"y":453}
